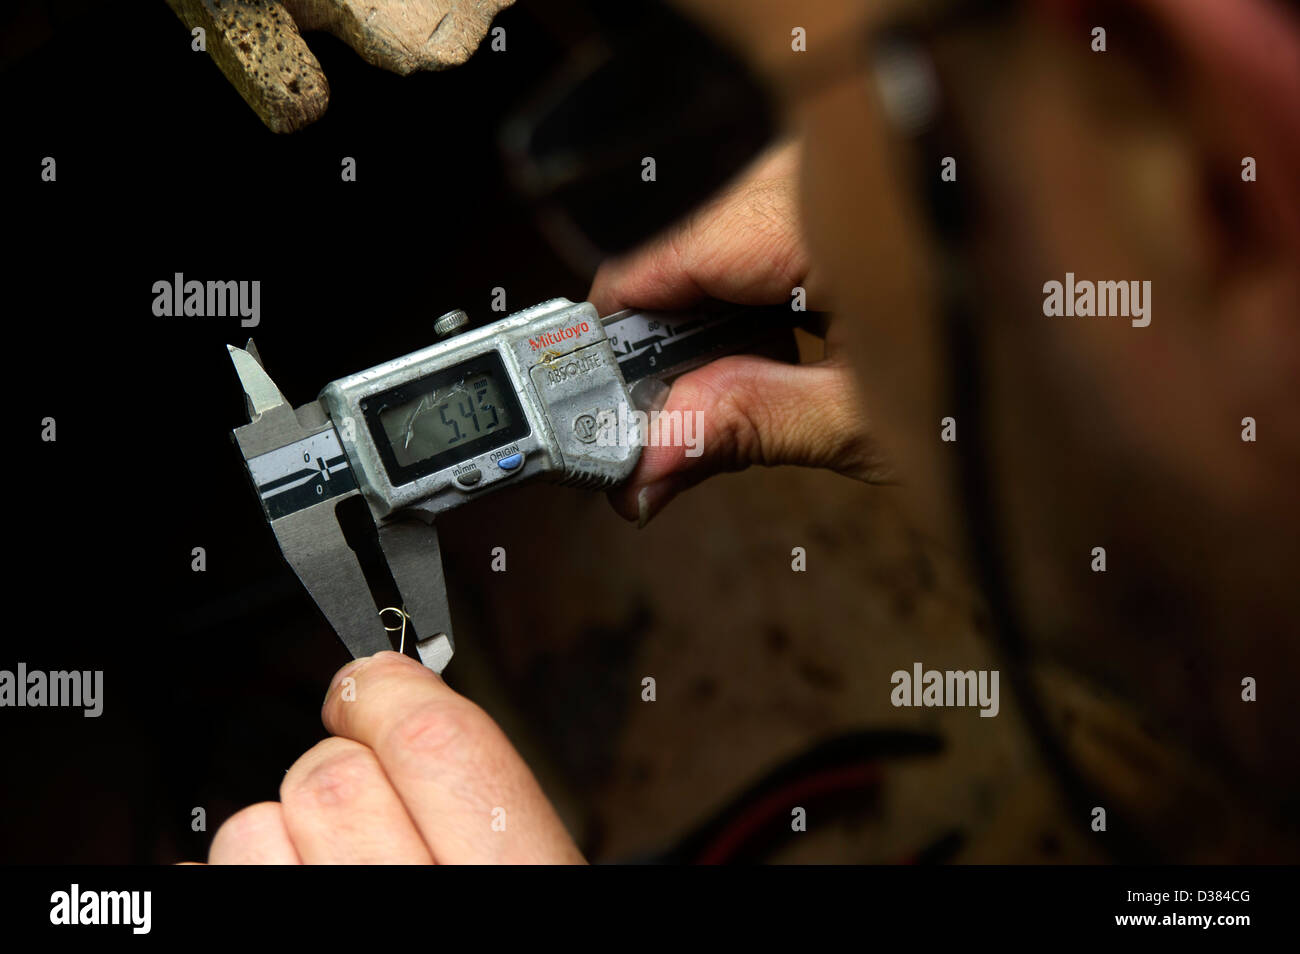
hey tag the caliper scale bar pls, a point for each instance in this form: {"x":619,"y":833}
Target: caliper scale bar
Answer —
{"x":300,"y":482}
{"x":665,"y":345}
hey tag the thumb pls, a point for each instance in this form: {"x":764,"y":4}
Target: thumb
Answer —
{"x":745,"y":410}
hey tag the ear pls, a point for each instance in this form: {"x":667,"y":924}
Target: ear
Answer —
{"x":1241,"y":62}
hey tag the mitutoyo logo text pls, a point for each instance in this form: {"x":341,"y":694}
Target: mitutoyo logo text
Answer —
{"x":548,"y":338}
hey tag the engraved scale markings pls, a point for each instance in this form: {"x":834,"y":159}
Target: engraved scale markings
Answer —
{"x":298,"y":475}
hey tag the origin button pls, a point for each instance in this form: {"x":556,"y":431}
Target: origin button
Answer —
{"x":511,"y":463}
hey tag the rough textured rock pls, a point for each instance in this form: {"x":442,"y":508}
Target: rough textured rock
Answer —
{"x":403,"y":35}
{"x":259,"y":47}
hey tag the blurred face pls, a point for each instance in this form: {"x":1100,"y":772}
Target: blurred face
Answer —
{"x":1117,"y":166}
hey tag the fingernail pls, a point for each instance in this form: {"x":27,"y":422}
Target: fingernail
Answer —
{"x":649,"y":394}
{"x":650,"y":499}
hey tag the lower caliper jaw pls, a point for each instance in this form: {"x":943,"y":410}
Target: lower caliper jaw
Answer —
{"x":411,"y":547}
{"x":301,"y":474}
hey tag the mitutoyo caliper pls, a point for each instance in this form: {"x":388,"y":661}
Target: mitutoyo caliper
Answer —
{"x":531,"y":395}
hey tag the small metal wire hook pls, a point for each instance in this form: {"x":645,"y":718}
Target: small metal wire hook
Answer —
{"x":401,"y":610}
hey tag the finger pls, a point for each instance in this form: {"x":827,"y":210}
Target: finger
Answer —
{"x":255,"y":835}
{"x":743,"y":247}
{"x":744,"y":410}
{"x":466,"y":788}
{"x":339,"y":808}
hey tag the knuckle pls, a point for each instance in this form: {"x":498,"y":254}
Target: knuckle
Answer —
{"x":672,"y":256}
{"x":743,"y":415}
{"x":440,"y":733}
{"x":751,"y":434}
{"x":337,"y":779}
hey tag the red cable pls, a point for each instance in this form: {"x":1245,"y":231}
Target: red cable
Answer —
{"x":734,"y":836}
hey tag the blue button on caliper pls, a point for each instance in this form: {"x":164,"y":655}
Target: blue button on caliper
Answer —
{"x":511,"y":462}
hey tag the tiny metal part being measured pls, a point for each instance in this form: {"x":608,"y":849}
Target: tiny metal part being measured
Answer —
{"x":534,"y":394}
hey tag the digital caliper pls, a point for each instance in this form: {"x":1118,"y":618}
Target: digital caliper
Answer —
{"x":530,"y":395}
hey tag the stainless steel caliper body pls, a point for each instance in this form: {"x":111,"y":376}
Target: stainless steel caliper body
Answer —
{"x":535,"y":394}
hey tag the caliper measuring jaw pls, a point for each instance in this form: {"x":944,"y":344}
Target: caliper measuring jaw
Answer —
{"x":300,"y":473}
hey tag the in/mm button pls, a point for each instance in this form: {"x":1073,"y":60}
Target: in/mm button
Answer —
{"x":511,"y":463}
{"x":469,"y":478}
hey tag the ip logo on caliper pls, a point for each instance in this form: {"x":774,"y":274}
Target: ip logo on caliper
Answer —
{"x":585,"y":428}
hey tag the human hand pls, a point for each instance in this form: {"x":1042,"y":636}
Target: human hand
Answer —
{"x":413,"y":774}
{"x":744,"y":247}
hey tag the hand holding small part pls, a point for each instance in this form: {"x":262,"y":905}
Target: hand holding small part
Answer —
{"x":413,"y":773}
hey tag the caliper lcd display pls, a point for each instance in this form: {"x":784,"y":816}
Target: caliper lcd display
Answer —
{"x":438,"y":420}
